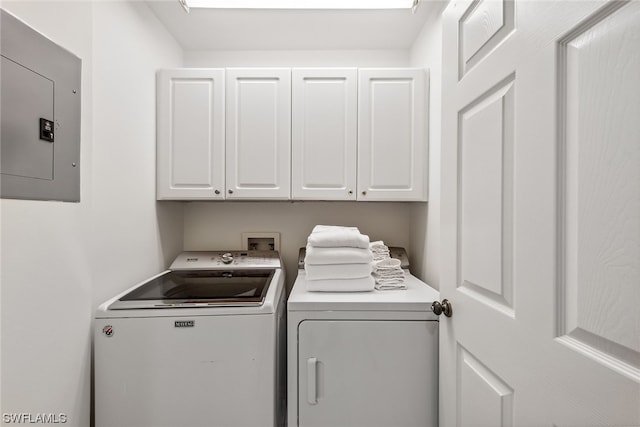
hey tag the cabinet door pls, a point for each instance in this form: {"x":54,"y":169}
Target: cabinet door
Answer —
{"x":392,"y":144}
{"x":190,"y":140}
{"x":324,"y":141}
{"x":258,"y":133}
{"x":355,"y":373}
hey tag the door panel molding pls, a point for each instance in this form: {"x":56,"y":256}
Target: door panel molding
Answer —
{"x":598,"y":203}
{"x":485,"y":197}
{"x":484,"y":25}
{"x":483,"y":398}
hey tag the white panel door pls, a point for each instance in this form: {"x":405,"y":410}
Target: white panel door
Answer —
{"x":392,"y":141}
{"x":190,"y":140}
{"x":258,"y":143}
{"x":541,"y":214}
{"x":324,"y":133}
{"x":355,"y":373}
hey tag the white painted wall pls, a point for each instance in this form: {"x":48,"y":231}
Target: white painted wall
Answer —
{"x":219,"y":225}
{"x":297,"y":58}
{"x":59,"y":260}
{"x":426,"y":52}
{"x":45,"y":268}
{"x":133,"y":236}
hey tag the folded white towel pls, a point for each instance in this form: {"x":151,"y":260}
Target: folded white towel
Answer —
{"x":344,"y":285}
{"x":388,"y":264}
{"x":335,"y":236}
{"x":388,"y":286}
{"x":337,"y":255}
{"x":337,"y":271}
{"x":379,"y":250}
{"x":389,"y":274}
{"x":323,"y":228}
{"x":378,"y":245}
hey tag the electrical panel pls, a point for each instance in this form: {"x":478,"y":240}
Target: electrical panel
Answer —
{"x":40,"y":115}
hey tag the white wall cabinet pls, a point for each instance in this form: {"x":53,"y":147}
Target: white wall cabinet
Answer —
{"x":324,"y":133}
{"x":376,"y":154}
{"x":306,"y":134}
{"x":258,"y":139}
{"x":191,"y":129}
{"x":392,"y":149}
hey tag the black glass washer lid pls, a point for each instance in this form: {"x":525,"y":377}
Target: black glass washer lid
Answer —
{"x":201,"y":288}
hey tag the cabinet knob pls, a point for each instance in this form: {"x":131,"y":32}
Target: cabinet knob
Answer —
{"x":350,"y":191}
{"x":217,"y":191}
{"x":230,"y":191}
{"x":364,"y":193}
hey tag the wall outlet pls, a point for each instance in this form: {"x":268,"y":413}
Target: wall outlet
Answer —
{"x":261,"y":241}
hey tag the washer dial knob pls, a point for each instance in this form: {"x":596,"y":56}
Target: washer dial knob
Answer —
{"x":227,"y":258}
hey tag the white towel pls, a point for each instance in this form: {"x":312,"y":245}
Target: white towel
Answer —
{"x":379,"y":250}
{"x":364,"y":284}
{"x":378,"y":245}
{"x":323,"y":228}
{"x":388,"y":264}
{"x":388,"y":286}
{"x":324,"y":236}
{"x":389,"y":279}
{"x":387,"y":273}
{"x":337,"y":271}
{"x":337,"y":255}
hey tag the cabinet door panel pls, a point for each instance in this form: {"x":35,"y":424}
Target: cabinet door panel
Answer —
{"x":324,"y":139}
{"x":258,"y":139}
{"x":392,"y":145}
{"x":367,"y":373}
{"x":190,"y":140}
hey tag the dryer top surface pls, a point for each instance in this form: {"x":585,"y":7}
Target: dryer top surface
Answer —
{"x":417,"y":297}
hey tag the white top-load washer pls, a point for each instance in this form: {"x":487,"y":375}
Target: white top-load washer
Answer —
{"x":362,"y":359}
{"x":201,"y":344}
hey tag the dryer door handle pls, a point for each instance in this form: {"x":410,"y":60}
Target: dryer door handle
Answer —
{"x":312,"y":381}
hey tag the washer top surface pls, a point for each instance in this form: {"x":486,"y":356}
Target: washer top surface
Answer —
{"x":417,"y":297}
{"x":205,"y":283}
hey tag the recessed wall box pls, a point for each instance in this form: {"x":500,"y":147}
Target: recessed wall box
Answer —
{"x":261,"y":241}
{"x":39,"y":115}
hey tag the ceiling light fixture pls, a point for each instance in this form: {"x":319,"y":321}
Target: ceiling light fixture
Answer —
{"x":300,"y":4}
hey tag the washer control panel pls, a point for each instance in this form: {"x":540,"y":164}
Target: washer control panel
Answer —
{"x":226,"y":260}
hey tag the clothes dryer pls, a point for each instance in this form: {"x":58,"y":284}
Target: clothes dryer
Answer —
{"x":362,"y":358}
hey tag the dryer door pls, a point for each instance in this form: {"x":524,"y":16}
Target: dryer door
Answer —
{"x":367,"y":373}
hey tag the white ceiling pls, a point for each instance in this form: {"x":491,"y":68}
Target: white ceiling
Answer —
{"x":242,"y":29}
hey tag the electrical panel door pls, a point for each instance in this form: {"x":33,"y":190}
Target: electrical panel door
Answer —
{"x":40,"y":121}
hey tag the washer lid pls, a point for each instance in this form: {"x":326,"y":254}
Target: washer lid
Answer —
{"x":200,"y":288}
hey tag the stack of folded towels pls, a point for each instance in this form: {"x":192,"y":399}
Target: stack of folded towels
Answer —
{"x":386,"y":270}
{"x":338,"y":259}
{"x":379,"y":250}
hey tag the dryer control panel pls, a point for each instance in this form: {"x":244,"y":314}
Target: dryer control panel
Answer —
{"x":226,"y":260}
